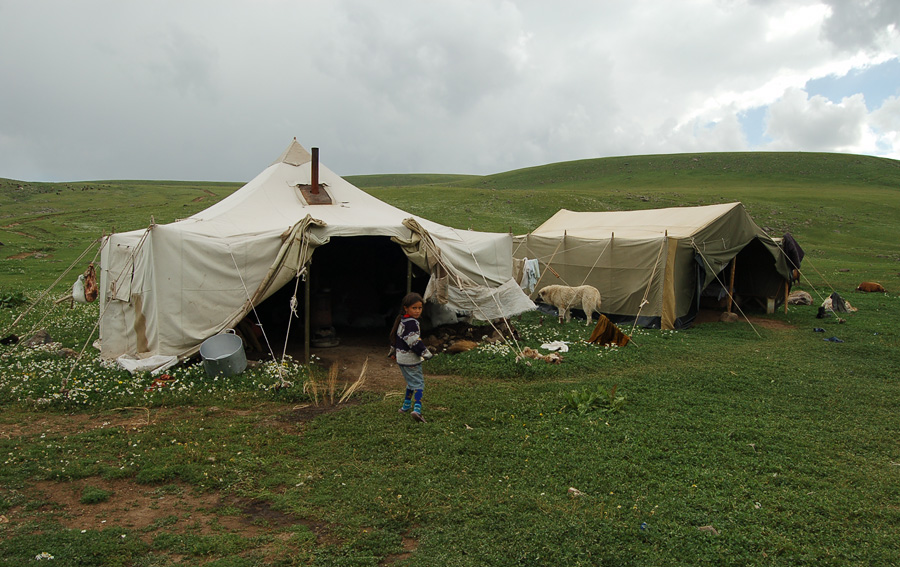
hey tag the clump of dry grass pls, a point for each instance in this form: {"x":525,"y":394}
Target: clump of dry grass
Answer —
{"x":332,"y":382}
{"x":349,"y":391}
{"x":312,"y":388}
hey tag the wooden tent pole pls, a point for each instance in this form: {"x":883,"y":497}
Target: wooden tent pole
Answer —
{"x":307,"y":293}
{"x":409,"y":274}
{"x":731,"y":283}
{"x":786,"y":291}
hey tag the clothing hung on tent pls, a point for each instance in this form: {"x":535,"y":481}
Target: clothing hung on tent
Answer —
{"x":531,"y":273}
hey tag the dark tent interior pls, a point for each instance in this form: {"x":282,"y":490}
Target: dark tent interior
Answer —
{"x":757,"y":284}
{"x":355,"y":288}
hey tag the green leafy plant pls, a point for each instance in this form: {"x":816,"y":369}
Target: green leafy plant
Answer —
{"x":94,"y":495}
{"x":589,"y":400}
{"x":12,"y":299}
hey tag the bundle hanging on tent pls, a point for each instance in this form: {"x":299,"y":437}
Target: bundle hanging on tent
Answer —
{"x":607,"y":333}
{"x":85,"y":288}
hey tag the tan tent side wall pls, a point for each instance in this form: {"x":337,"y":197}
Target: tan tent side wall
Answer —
{"x":183,"y":283}
{"x":126,"y":276}
{"x":623,"y":270}
{"x":210,"y":290}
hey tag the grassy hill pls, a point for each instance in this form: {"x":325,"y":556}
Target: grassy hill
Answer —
{"x":840,"y":206}
{"x":46,"y":226}
{"x":806,"y":194}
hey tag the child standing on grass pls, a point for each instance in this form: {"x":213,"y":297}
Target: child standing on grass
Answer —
{"x":409,"y":351}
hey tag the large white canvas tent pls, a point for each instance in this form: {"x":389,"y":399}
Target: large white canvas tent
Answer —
{"x":166,"y":289}
{"x":654,"y":266}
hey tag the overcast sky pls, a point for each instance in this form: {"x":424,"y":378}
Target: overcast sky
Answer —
{"x":215,"y":90}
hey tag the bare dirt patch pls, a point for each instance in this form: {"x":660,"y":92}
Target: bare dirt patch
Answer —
{"x":23,"y":255}
{"x":148,"y":510}
{"x":410,"y":545}
{"x":203,"y":197}
{"x":359,"y":348}
{"x":151,"y":509}
{"x":130,"y":505}
{"x":132,"y":418}
{"x":712,"y":316}
{"x":770,"y":323}
{"x":370,"y":348}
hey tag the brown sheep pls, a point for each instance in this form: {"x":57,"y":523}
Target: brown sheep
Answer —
{"x":870,"y":287}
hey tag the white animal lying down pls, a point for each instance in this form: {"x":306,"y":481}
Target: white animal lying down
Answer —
{"x":564,"y":297}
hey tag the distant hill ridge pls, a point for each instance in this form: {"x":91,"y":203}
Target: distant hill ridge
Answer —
{"x":672,"y":170}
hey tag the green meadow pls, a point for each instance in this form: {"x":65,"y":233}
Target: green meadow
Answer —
{"x":753,"y":443}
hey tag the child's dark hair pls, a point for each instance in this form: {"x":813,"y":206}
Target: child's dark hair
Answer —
{"x":408,"y":300}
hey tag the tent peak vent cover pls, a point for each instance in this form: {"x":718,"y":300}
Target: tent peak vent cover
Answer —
{"x":295,"y":155}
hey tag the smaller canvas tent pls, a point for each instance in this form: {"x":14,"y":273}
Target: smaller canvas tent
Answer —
{"x":654,"y":265}
{"x":164,"y":290}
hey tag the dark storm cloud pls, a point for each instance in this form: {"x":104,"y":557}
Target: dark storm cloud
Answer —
{"x":862,"y":24}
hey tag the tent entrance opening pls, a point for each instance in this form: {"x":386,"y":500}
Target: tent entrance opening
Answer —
{"x":758,"y":287}
{"x":355,"y":288}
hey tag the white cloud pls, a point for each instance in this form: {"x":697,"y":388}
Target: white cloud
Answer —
{"x":801,"y":122}
{"x":786,"y":24}
{"x":797,"y":122}
{"x":885,"y":124}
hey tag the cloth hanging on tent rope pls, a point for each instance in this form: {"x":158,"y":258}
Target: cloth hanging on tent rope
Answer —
{"x":549,"y":269}
{"x":606,"y":333}
{"x":794,"y":256}
{"x":47,"y":291}
{"x":792,"y":250}
{"x":531,"y":273}
{"x":63,"y":387}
